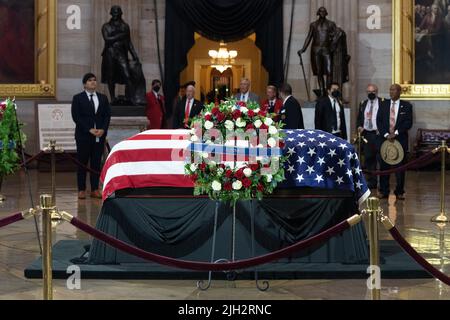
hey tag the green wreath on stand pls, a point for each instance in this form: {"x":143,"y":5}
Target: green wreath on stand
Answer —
{"x":10,"y":136}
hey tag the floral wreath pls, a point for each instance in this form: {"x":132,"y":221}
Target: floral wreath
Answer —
{"x":9,"y":136}
{"x":247,"y":164}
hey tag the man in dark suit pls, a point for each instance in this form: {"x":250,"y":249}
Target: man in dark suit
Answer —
{"x":367,"y":126}
{"x":186,"y":109}
{"x":244,"y":94}
{"x":291,"y":112}
{"x":156,"y":110}
{"x":91,"y":113}
{"x":330,"y":115}
{"x":394,"y":120}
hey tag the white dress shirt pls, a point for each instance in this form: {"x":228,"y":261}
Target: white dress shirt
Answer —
{"x":95,"y":98}
{"x":397,"y":108}
{"x":338,"y":112}
{"x":244,"y":97}
{"x":374,"y":115}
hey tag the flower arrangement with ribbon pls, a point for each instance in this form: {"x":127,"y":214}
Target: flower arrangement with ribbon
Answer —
{"x":9,"y":136}
{"x":235,"y":152}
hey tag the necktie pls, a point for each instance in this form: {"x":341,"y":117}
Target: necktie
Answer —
{"x":187,"y":111}
{"x":370,"y":116}
{"x":243,"y":98}
{"x":272,"y":107}
{"x":392,"y":120}
{"x":335,"y":121}
{"x":91,"y":100}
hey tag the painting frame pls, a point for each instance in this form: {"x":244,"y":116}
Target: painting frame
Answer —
{"x":45,"y":57}
{"x":403,"y":64}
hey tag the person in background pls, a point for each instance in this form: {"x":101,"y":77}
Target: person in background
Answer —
{"x":394,"y":120}
{"x":244,"y":94}
{"x":156,"y":110}
{"x":187,"y":109}
{"x":329,"y":114}
{"x":272,"y":104}
{"x":367,"y":126}
{"x":291,"y":112}
{"x":91,"y":113}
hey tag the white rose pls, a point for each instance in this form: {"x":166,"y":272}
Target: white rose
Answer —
{"x":209,"y":142}
{"x":220,"y":172}
{"x":268,"y":122}
{"x":193,"y":131}
{"x":237,"y":185}
{"x":212,"y":164}
{"x":273,"y":130}
{"x":257,"y":110}
{"x":269,"y":178}
{"x":205,"y":155}
{"x":216,"y":186}
{"x":193,"y":167}
{"x":194,"y":138}
{"x":229,"y":125}
{"x":258,"y":124}
{"x":208,"y":114}
{"x":260,"y":146}
{"x":240,"y":123}
{"x":209,"y":125}
{"x":234,"y":108}
{"x":272,"y":142}
{"x":248,"y":172}
{"x":244,"y":110}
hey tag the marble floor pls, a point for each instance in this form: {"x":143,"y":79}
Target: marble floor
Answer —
{"x":18,"y":248}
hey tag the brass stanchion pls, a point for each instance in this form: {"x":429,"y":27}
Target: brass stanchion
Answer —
{"x":358,"y":141}
{"x":47,"y":206}
{"x":442,"y":217}
{"x":374,"y":211}
{"x":52,"y":149}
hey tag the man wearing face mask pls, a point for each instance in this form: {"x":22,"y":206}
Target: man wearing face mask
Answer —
{"x":330,"y":116}
{"x":367,"y":126}
{"x":155,"y":107}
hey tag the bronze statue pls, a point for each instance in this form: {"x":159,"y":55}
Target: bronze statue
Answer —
{"x":116,"y":67}
{"x":341,"y":59}
{"x":322,"y":34}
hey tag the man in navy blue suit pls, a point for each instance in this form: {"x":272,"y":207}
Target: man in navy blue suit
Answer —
{"x":91,"y":113}
{"x":394,"y":120}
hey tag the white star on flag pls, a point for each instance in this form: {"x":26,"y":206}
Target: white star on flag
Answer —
{"x":359,"y":185}
{"x":350,"y":156}
{"x":332,"y":153}
{"x":300,"y":178}
{"x":311,"y":132}
{"x":321,"y":136}
{"x":310,"y":170}
{"x":291,"y":169}
{"x":358,"y":171}
{"x":349,"y":173}
{"x":319,"y":179}
{"x":311,"y":140}
{"x":290,"y":132}
{"x":333,"y":140}
{"x":311,"y":152}
{"x":343,"y":146}
{"x":291,"y":139}
{"x":321,"y":161}
{"x":340,"y":180}
{"x":301,"y":160}
{"x":301,"y":144}
{"x":330,"y":171}
{"x":341,"y":163}
{"x":291,"y":151}
{"x":322,"y":144}
{"x":301,"y":135}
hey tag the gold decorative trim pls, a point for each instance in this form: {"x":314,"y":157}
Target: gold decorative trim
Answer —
{"x":45,"y":55}
{"x":403,"y":45}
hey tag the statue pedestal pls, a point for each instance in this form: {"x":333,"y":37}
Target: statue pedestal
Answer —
{"x":126,"y":121}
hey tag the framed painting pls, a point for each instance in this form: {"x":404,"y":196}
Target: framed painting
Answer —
{"x":421,"y":47}
{"x":28,"y":55}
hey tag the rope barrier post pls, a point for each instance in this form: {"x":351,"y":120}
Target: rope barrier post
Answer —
{"x":373,"y":211}
{"x":2,"y":197}
{"x":47,"y":206}
{"x":53,"y":150}
{"x":442,"y":217}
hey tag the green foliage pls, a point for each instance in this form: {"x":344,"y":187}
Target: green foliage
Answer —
{"x":9,"y":138}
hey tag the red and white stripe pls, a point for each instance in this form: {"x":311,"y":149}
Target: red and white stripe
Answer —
{"x":153,"y":158}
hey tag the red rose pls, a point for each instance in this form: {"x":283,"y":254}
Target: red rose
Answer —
{"x":229,"y":174}
{"x":251,"y":113}
{"x":282,"y":144}
{"x":260,"y":188}
{"x":262,"y":113}
{"x":247,"y":183}
{"x":228,"y":186}
{"x":203,"y":167}
{"x":208,"y":117}
{"x":236,"y":114}
{"x":239,"y":174}
{"x":250,"y":127}
{"x":264,"y":127}
{"x":222,"y":166}
{"x":254,"y":167}
{"x":194,"y":177}
{"x":242,"y":104}
{"x":215,"y":111}
{"x":220,"y":116}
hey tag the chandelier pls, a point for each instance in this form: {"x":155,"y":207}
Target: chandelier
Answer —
{"x":222,"y":59}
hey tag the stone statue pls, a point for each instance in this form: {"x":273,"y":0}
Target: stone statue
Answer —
{"x":116,"y":66}
{"x":323,"y":36}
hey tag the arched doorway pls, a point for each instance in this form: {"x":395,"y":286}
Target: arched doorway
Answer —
{"x":248,"y":64}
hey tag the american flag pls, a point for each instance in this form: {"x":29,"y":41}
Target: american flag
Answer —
{"x":320,"y":160}
{"x":156,"y":158}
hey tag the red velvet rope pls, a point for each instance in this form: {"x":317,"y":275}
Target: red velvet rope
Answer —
{"x":33,"y":158}
{"x":419,"y":259}
{"x":75,"y":160}
{"x":203,"y":266}
{"x":415,"y":164}
{"x":11,"y":219}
